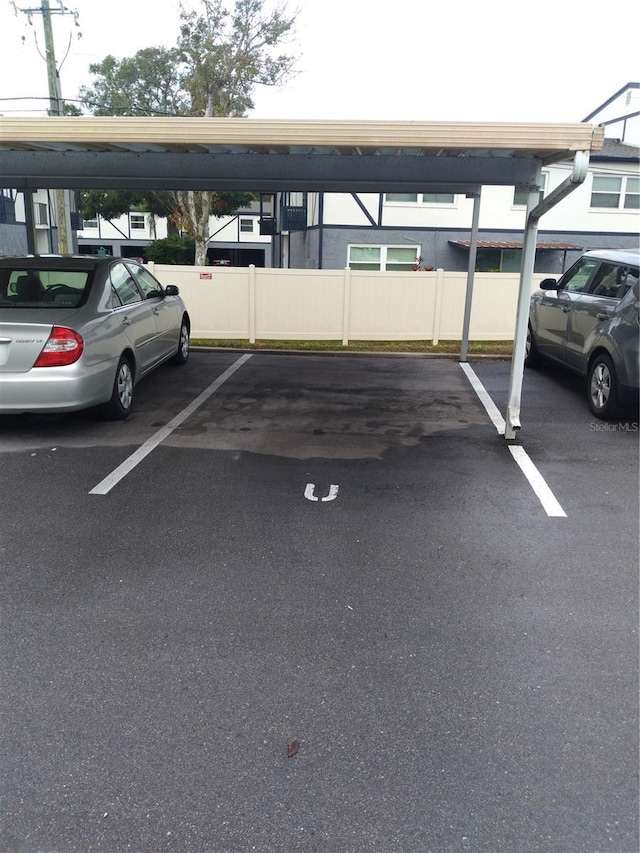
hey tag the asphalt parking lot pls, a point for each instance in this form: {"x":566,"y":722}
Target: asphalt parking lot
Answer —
{"x":323,"y":611}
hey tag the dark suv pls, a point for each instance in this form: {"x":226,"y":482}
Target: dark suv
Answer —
{"x":588,"y":321}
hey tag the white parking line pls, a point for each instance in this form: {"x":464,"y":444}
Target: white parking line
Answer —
{"x":535,"y":478}
{"x":112,"y":479}
{"x":537,"y":482}
{"x":485,"y":399}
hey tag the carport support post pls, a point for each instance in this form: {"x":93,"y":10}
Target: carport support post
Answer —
{"x":512,"y":420}
{"x":252,"y":303}
{"x":473,"y":251}
{"x":29,"y":219}
{"x":534,"y":212}
{"x":346,"y":307}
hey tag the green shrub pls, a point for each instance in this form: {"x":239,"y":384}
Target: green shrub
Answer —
{"x":174,"y":250}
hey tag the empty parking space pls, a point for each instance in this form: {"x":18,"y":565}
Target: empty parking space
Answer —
{"x":453,"y":668}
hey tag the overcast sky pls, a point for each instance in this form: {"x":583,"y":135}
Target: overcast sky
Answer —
{"x":428,"y":60}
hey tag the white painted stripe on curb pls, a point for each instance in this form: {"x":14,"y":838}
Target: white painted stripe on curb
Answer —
{"x":112,"y":479}
{"x":537,"y":482}
{"x":485,"y":399}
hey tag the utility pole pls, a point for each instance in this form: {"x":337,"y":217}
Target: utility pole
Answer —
{"x":56,"y":108}
{"x":53,"y":78}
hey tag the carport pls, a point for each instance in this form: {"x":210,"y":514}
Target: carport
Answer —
{"x":308,"y":156}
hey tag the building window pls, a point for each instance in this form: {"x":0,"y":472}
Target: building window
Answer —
{"x":137,"y":221}
{"x":401,"y":258}
{"x":498,"y":260}
{"x":41,"y":213}
{"x":246,"y":225}
{"x":90,"y":223}
{"x":389,"y":258}
{"x":420,"y":198}
{"x":615,"y":192}
{"x":7,"y":209}
{"x":632,"y":194}
{"x":437,"y":198}
{"x":365,"y":257}
{"x":521,"y":194}
{"x":410,"y":198}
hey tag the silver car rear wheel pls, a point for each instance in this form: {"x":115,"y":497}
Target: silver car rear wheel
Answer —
{"x":124,"y":385}
{"x":119,"y":406}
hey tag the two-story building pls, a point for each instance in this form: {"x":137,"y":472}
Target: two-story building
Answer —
{"x":403,"y":231}
{"x":13,"y":217}
{"x":235,"y":240}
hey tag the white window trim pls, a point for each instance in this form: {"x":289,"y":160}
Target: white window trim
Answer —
{"x":41,"y":214}
{"x":422,"y":203}
{"x":621,"y":195}
{"x":137,"y":227}
{"x":384,"y":247}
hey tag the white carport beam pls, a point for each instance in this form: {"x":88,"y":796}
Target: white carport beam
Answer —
{"x":579,"y":173}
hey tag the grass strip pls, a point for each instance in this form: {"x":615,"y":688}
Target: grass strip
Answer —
{"x":500,"y":348}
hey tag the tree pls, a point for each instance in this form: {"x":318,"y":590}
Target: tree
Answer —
{"x":228,"y":52}
{"x":113,"y":203}
{"x":223,"y":52}
{"x":149,"y":83}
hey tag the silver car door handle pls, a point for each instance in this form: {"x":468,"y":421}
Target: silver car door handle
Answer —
{"x":126,"y":321}
{"x":566,"y":308}
{"x":155,"y":311}
{"x":602,"y":315}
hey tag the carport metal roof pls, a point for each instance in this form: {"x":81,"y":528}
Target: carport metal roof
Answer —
{"x":261,"y":155}
{"x":276,"y":155}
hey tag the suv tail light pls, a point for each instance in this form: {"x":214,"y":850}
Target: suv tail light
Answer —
{"x":63,"y":347}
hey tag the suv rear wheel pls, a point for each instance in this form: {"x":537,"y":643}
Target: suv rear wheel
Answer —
{"x":532,"y":356}
{"x":603,"y":387}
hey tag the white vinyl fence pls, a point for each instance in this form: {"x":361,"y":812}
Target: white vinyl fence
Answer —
{"x":347,"y":305}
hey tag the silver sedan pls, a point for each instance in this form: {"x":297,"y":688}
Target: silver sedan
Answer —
{"x":79,"y":332}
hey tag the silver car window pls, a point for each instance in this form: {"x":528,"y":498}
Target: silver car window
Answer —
{"x":113,"y":300}
{"x":124,"y":285}
{"x":38,"y":287}
{"x":146,"y":282}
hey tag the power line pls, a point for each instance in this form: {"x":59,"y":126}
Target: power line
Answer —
{"x":129,"y":107}
{"x":38,"y":10}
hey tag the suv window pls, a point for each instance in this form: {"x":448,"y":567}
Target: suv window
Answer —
{"x":608,"y":280}
{"x":577,"y":278}
{"x":613,"y":280}
{"x":631,"y":281}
